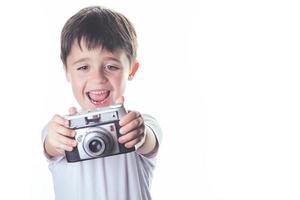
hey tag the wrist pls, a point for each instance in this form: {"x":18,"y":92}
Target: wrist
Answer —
{"x":149,"y":144}
{"x":143,"y":140}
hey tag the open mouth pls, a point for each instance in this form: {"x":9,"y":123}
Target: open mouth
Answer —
{"x":98,"y":97}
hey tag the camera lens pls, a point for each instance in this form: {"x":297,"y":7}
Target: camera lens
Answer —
{"x":97,"y":142}
{"x":95,"y":146}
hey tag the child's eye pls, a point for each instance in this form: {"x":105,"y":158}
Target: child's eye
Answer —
{"x":84,"y":67}
{"x":111,"y":67}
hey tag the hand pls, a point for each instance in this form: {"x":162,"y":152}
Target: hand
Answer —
{"x":57,"y":139}
{"x":132,"y":128}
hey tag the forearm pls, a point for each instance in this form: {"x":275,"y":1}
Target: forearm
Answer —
{"x":148,"y":144}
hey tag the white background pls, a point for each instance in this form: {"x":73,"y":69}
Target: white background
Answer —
{"x":222,"y":78}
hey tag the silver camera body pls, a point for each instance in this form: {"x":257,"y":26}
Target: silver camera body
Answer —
{"x":97,"y":133}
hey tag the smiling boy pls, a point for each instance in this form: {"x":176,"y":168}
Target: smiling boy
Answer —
{"x":93,"y":85}
{"x":98,"y":50}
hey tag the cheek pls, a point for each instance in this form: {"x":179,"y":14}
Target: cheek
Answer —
{"x":77,"y":86}
{"x":119,"y":85}
{"x":123,"y":81}
{"x":122,"y":88}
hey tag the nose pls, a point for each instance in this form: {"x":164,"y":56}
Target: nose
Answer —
{"x":99,"y":76}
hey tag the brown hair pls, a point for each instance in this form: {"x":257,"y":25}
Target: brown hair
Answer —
{"x":99,"y":26}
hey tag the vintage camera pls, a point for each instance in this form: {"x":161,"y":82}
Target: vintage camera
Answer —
{"x":97,"y":133}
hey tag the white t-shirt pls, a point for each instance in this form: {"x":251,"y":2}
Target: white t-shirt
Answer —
{"x":121,"y":177}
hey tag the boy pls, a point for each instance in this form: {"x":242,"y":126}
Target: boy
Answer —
{"x":98,"y":50}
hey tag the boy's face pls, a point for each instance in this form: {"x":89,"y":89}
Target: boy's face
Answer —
{"x":98,"y":77}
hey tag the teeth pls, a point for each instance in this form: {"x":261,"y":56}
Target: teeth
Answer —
{"x":94,"y":101}
{"x":98,"y":96}
{"x":98,"y":92}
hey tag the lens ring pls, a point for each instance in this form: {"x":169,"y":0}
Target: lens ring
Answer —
{"x":97,"y":142}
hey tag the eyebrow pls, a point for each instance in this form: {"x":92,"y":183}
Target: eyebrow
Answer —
{"x":112,"y":58}
{"x":80,"y":60}
{"x":105,"y":58}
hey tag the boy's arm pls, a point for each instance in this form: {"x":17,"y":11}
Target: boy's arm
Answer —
{"x":56,"y":136}
{"x":143,"y":132}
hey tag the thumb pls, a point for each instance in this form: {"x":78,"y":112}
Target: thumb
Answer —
{"x":120,"y":100}
{"x":72,"y":111}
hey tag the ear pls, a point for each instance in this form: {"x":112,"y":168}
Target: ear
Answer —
{"x":134,"y":69}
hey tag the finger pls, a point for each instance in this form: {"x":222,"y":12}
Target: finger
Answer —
{"x":60,"y":120}
{"x":129,"y":117}
{"x":59,"y":146}
{"x":62,"y":147}
{"x":135,"y":124}
{"x":132,"y":143}
{"x":66,"y":141}
{"x":72,"y":110}
{"x":64,"y":131}
{"x":59,"y":151}
{"x":120,"y":100}
{"x":136,"y":134}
